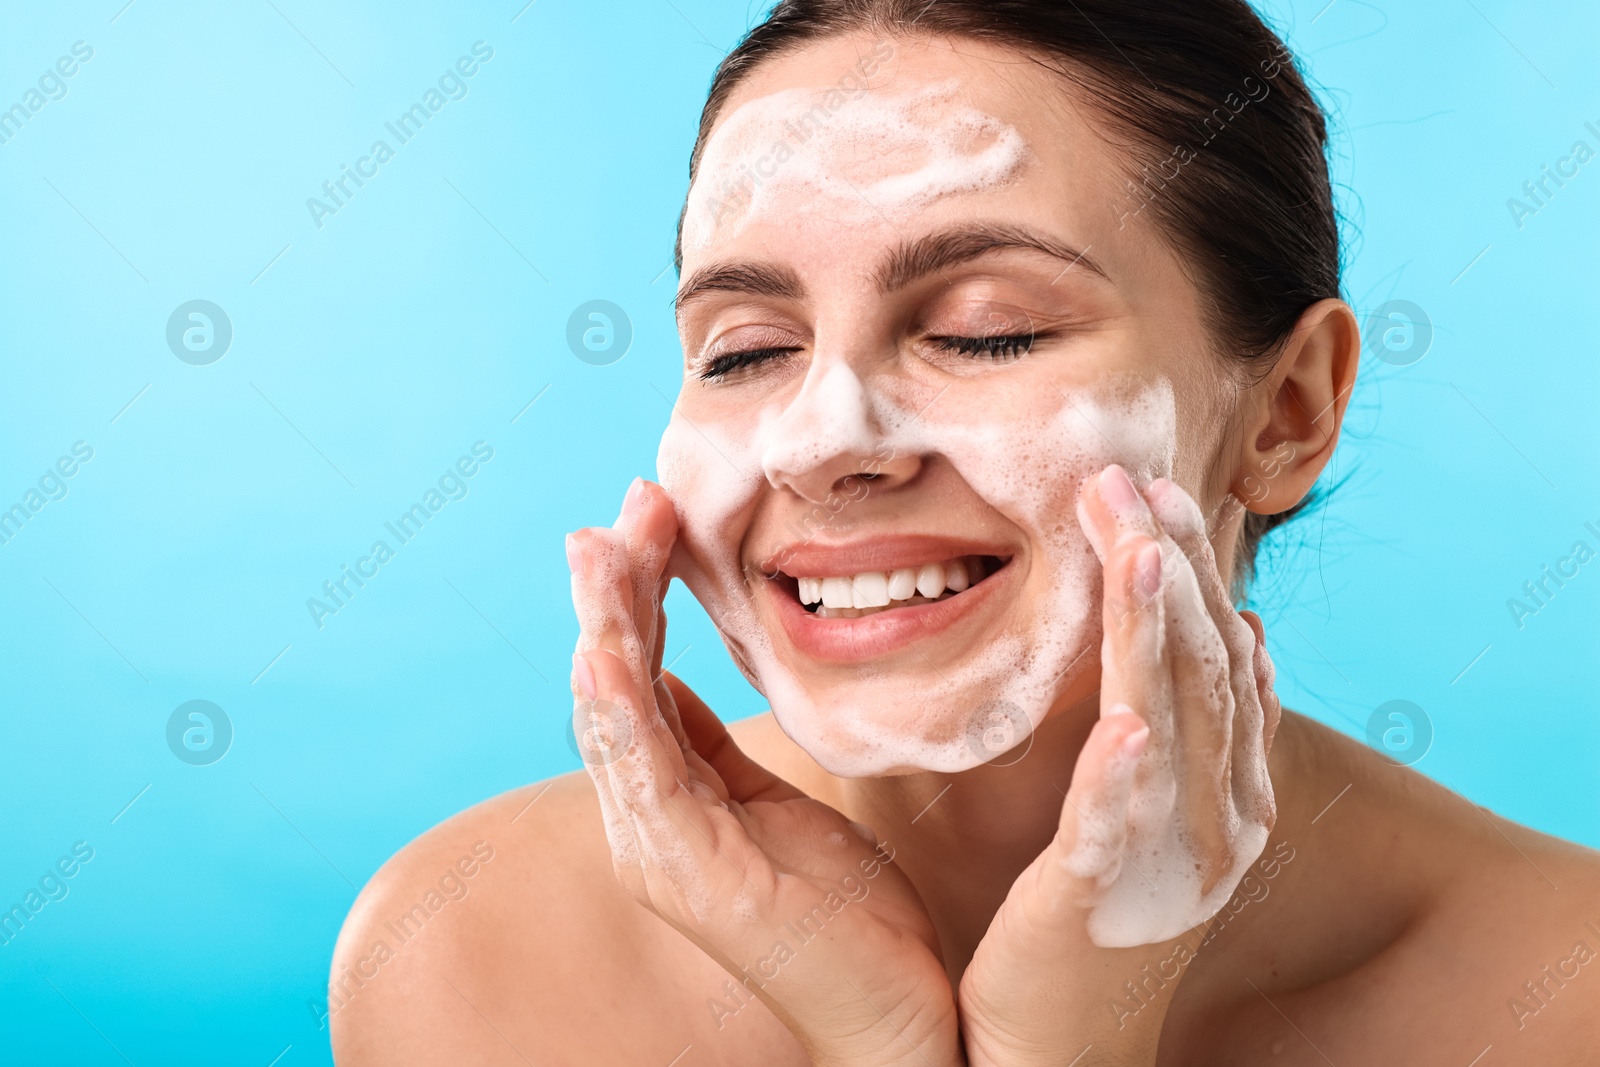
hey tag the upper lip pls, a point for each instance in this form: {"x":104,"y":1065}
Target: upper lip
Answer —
{"x":817,"y":559}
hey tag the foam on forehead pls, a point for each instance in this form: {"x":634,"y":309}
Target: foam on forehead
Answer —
{"x":871,"y":154}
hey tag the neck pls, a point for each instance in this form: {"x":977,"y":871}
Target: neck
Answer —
{"x":964,"y":838}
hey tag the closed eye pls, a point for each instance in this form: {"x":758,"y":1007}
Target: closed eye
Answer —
{"x":734,"y":361}
{"x":999,"y":348}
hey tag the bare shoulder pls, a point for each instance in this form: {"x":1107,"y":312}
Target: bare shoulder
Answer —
{"x":1520,"y":925}
{"x":1454,"y":922}
{"x":502,"y":935}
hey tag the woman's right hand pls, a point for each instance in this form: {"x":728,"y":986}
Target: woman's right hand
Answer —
{"x":803,"y":907}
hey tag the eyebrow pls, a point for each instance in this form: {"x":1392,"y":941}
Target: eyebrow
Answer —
{"x":933,"y":254}
{"x":755,"y":279}
{"x":909,"y":262}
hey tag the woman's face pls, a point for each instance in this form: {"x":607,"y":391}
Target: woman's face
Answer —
{"x":919,"y":306}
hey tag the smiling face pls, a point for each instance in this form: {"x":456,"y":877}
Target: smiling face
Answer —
{"x":918,"y":308}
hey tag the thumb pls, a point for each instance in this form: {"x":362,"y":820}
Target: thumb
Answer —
{"x":745,"y":779}
{"x":1094,"y":819}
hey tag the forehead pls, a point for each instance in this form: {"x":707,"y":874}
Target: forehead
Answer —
{"x":875,"y":135}
{"x":1003,"y":81}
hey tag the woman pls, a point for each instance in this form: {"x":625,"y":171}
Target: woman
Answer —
{"x":1009,"y":330}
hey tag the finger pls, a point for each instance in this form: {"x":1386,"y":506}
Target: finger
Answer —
{"x":1202,"y":677}
{"x":649,"y":526}
{"x":1110,"y":507}
{"x":1200,"y":666}
{"x":745,"y":780}
{"x":602,"y":596}
{"x":605,"y":732}
{"x":1120,"y":525}
{"x":1134,"y":668}
{"x":607,"y":584}
{"x":1181,"y":517}
{"x":744,"y":783}
{"x":1202,"y":681}
{"x":1266,"y":675}
{"x":669,"y":824}
{"x":666,"y":700}
{"x":1088,"y":852}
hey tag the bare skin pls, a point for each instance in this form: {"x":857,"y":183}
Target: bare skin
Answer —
{"x":1388,"y":920}
{"x":1397,"y":933}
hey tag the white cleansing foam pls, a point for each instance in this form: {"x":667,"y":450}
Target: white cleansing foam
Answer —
{"x":876,"y":156}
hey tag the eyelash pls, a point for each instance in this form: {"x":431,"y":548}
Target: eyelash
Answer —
{"x":722,"y":366}
{"x":998,"y":348}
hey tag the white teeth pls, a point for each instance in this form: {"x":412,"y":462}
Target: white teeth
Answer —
{"x":838,"y":593}
{"x":851,"y":596}
{"x":903,"y":583}
{"x":870,"y":590}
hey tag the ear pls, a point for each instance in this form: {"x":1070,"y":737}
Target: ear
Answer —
{"x":1294,"y":420}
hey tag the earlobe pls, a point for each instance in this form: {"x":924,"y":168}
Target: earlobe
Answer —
{"x":1298,"y":410}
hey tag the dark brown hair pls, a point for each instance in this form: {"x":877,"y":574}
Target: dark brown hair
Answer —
{"x":1227,"y":143}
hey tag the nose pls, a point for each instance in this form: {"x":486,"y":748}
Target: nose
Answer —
{"x":830,"y":441}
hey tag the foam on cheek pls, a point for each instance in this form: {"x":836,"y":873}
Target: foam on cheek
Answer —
{"x":871,"y":153}
{"x":1026,"y":465}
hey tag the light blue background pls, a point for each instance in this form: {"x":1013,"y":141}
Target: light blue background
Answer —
{"x":430,"y":311}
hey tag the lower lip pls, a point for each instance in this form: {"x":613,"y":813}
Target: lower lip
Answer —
{"x":883,"y":632}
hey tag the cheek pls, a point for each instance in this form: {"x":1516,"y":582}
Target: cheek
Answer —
{"x":1026,"y":449}
{"x":712,"y":472}
{"x":710,"y":475}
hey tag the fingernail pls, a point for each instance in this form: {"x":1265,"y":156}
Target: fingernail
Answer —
{"x":1117,"y":490}
{"x":583,"y":674}
{"x":1133,"y":744}
{"x":634,"y":497}
{"x":575,"y":560}
{"x":1147,"y":570}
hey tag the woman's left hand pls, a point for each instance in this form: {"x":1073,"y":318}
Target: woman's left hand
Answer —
{"x":1187,"y":716}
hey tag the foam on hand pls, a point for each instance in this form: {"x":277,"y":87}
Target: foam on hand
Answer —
{"x":1160,"y":880}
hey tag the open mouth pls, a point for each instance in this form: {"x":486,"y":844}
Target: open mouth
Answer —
{"x":853,"y":596}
